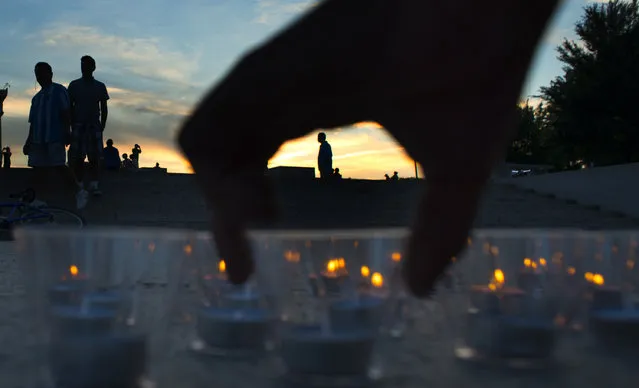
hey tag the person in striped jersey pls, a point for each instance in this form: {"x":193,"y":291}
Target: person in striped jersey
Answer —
{"x":49,"y":134}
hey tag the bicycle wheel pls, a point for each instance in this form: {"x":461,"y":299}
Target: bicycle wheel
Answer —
{"x":54,"y":216}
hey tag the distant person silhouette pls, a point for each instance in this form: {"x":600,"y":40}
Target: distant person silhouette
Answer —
{"x":135,"y":155}
{"x":89,"y":113}
{"x":336,"y":174}
{"x":387,"y":177}
{"x":324,"y":157}
{"x":127,"y":164}
{"x":111,"y":157}
{"x":6,"y":157}
{"x":157,"y":165}
{"x":395,"y":177}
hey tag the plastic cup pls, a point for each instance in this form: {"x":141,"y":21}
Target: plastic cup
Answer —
{"x":98,"y":303}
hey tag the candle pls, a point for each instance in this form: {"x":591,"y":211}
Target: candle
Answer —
{"x":66,"y":293}
{"x":606,"y":298}
{"x":79,"y":322}
{"x":307,"y":350}
{"x":105,"y":300}
{"x":616,"y":329}
{"x":246,"y":298}
{"x":507,"y":323}
{"x":362,"y":313}
{"x":234,"y":329}
{"x":98,"y":361}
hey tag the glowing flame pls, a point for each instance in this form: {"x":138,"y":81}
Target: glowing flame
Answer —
{"x":494,"y":250}
{"x":499,"y":277}
{"x":377,"y":280}
{"x":365,"y":271}
{"x":292,"y":256}
{"x":571,"y":271}
{"x":74,"y":271}
{"x":589,"y":276}
{"x":630,"y":264}
{"x":221,"y":266}
{"x":396,"y":256}
{"x":527,"y":262}
{"x":188,"y":249}
{"x":542,"y":262}
{"x":598,"y":279}
{"x":332,"y":265}
{"x":341,"y":263}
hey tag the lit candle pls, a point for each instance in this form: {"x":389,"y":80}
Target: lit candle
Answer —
{"x":502,"y":324}
{"x":233,"y":331}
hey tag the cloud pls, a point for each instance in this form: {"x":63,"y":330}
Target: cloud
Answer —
{"x":273,"y":11}
{"x":144,"y":57}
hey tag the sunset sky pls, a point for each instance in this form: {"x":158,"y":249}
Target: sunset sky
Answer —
{"x":157,"y":58}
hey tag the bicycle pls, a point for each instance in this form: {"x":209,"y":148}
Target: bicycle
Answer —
{"x":23,"y":212}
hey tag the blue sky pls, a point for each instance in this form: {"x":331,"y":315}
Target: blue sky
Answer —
{"x":158,"y":57}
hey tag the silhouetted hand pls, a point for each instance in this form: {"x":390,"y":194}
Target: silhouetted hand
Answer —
{"x":443,"y":77}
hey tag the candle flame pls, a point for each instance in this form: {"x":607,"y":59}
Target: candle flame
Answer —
{"x":377,"y":280}
{"x":332,"y":265}
{"x":527,"y":262}
{"x":341,"y":263}
{"x":74,"y":271}
{"x":396,"y":257}
{"x":589,"y":276}
{"x":499,"y":276}
{"x":221,"y":266}
{"x":542,"y":261}
{"x":365,"y":271}
{"x":188,"y":249}
{"x":571,"y":271}
{"x":292,"y":256}
{"x":598,"y":279}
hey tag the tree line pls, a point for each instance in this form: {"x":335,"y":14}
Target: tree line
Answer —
{"x":590,"y":113}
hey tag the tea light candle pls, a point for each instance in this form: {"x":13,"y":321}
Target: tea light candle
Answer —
{"x":499,"y":326}
{"x":74,"y":321}
{"x":65,"y":293}
{"x":98,"y":361}
{"x":363,"y":313}
{"x":307,"y":350}
{"x":234,"y":329}
{"x":240,"y":299}
{"x":105,"y":300}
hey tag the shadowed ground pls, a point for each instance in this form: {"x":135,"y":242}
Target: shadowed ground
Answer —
{"x":153,"y":198}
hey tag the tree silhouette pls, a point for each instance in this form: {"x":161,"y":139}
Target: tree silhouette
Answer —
{"x":592,"y":107}
{"x":530,"y":144}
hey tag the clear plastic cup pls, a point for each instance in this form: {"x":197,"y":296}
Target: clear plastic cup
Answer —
{"x":98,"y":304}
{"x":520,"y":293}
{"x":336,"y":295}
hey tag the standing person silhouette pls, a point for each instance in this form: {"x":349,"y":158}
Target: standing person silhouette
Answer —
{"x":89,"y":114}
{"x":49,"y":122}
{"x":324,"y":157}
{"x":135,"y":155}
{"x":438,"y":66}
{"x":6,"y":157}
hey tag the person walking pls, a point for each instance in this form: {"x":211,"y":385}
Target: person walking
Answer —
{"x":89,"y":114}
{"x":6,"y":157}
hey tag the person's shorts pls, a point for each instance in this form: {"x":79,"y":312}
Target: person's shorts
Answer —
{"x":86,"y":142}
{"x":47,"y":155}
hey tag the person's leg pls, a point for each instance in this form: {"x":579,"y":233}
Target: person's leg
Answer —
{"x":94,"y":154}
{"x":77,"y":154}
